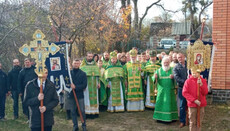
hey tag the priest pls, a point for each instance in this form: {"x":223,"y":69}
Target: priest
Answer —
{"x":93,"y":84}
{"x":105,"y":59}
{"x":166,"y":107}
{"x":150,"y":68}
{"x":134,"y":96}
{"x":114,"y":75}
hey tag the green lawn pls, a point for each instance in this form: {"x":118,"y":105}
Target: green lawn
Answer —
{"x":217,"y":118}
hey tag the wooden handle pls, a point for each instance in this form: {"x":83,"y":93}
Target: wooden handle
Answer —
{"x":198,"y":107}
{"x":78,"y":107}
{"x":41,"y":103}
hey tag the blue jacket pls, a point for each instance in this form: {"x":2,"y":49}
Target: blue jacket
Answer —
{"x":180,"y":74}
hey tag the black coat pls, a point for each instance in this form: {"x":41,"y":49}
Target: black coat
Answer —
{"x":180,"y":74}
{"x":25,"y":75}
{"x":3,"y":83}
{"x":13,"y":78}
{"x":50,"y":102}
{"x":80,"y":81}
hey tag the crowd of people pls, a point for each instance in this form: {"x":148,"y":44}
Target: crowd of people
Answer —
{"x":116,"y":81}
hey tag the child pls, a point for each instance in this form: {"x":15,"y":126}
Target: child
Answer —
{"x":191,"y":95}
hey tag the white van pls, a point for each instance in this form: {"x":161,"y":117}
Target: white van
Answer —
{"x":167,"y":43}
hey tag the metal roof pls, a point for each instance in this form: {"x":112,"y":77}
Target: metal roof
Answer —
{"x":180,"y":28}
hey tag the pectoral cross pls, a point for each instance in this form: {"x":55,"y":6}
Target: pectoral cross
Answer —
{"x":39,"y":49}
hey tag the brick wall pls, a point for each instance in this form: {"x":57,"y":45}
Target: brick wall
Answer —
{"x":221,"y":35}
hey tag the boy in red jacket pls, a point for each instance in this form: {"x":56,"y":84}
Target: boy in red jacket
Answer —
{"x":191,"y":95}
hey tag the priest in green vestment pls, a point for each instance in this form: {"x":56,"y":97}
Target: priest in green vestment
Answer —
{"x":150,"y":68}
{"x":93,"y":84}
{"x":114,"y":75}
{"x":134,"y":95}
{"x":105,"y":59}
{"x":166,"y":106}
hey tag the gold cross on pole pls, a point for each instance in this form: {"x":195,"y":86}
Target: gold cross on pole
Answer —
{"x":39,"y":49}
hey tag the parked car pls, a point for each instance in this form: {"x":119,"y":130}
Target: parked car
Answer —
{"x":184,"y":44}
{"x":167,"y":43}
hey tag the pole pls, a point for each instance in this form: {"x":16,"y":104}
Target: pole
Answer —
{"x":202,"y":29}
{"x":198,"y":71}
{"x":78,"y":107}
{"x":71,"y":81}
{"x":41,"y":104}
{"x":198,"y":97}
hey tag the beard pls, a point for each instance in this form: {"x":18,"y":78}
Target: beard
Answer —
{"x":175,"y":61}
{"x":89,"y":60}
{"x":165,"y":68}
{"x":16,"y":66}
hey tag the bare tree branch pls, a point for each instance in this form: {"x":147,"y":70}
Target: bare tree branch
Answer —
{"x":167,"y":10}
{"x":203,"y":9}
{"x":22,"y":22}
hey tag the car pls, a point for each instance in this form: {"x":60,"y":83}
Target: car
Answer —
{"x":184,"y":44}
{"x":167,"y":43}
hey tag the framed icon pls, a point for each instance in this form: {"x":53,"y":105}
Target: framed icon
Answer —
{"x":199,"y":56}
{"x":55,"y":64}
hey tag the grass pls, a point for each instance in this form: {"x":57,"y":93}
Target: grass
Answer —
{"x":217,"y":118}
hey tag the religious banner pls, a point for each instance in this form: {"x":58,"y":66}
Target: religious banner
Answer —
{"x":208,"y":71}
{"x":58,"y":68}
{"x":199,"y":56}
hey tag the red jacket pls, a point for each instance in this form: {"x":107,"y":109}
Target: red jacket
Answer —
{"x":190,"y":92}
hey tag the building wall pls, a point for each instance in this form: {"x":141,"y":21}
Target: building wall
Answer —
{"x":221,"y":35}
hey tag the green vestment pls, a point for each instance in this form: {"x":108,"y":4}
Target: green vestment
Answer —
{"x":133,"y":76}
{"x":166,"y":106}
{"x":149,"y":69}
{"x":105,"y":64}
{"x":115,"y":75}
{"x":92,"y":71}
{"x":103,"y":95}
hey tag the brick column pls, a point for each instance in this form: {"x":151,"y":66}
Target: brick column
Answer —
{"x":221,"y":35}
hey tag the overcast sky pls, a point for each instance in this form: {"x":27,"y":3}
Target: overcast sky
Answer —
{"x":168,"y":4}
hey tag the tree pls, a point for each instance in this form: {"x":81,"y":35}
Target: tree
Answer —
{"x":195,"y":13}
{"x":18,"y":20}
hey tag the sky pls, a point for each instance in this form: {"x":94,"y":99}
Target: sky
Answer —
{"x":168,"y":4}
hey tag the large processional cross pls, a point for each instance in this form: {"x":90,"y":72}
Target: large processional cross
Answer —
{"x":39,"y":49}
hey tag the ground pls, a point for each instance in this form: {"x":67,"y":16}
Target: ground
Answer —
{"x":217,"y":118}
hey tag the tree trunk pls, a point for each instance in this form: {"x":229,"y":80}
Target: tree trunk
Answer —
{"x":129,"y":20}
{"x":135,"y":19}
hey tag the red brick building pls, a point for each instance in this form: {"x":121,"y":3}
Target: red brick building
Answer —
{"x":221,"y":64}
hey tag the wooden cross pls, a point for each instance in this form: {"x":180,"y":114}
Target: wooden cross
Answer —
{"x":39,"y":49}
